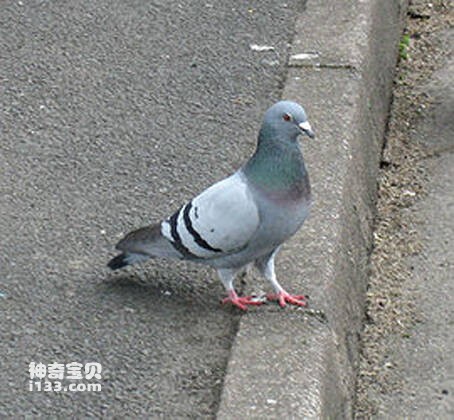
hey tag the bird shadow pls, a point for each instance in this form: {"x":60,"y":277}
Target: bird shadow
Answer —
{"x":159,"y":287}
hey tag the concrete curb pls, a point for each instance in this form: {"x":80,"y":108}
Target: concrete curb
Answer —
{"x":290,"y":363}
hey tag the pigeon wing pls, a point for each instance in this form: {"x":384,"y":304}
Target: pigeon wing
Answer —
{"x":219,"y":221}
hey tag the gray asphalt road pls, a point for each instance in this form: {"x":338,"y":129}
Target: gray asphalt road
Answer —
{"x":113,"y":113}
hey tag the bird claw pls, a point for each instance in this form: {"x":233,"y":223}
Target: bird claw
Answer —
{"x":243,"y":301}
{"x":283,"y":298}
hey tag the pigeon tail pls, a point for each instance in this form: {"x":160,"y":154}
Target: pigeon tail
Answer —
{"x":125,"y":259}
{"x":117,"y":262}
{"x":142,"y":244}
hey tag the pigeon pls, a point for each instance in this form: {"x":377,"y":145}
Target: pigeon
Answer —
{"x":243,"y":219}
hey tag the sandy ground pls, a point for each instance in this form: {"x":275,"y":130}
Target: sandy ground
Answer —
{"x":405,"y":369}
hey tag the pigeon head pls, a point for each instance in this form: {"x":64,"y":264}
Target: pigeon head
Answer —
{"x":277,"y":163}
{"x":287,"y":120}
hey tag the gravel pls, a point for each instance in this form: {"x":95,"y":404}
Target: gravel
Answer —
{"x":402,"y":183}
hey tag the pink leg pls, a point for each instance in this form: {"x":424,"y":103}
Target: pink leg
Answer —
{"x":241,"y":302}
{"x":266,"y":267}
{"x":283,"y":298}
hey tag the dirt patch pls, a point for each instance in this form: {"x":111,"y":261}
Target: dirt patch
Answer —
{"x":402,"y":181}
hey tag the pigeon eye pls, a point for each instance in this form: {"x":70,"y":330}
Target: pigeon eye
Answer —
{"x":287,"y":117}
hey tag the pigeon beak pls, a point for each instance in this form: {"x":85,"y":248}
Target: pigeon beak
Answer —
{"x":305,"y":127}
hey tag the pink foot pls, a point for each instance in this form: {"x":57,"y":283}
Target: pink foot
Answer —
{"x":283,"y":298}
{"x":241,"y":302}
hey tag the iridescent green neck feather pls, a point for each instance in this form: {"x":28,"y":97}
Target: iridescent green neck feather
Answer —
{"x":277,"y":165}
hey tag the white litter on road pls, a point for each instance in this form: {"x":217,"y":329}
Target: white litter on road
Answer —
{"x":261,"y":48}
